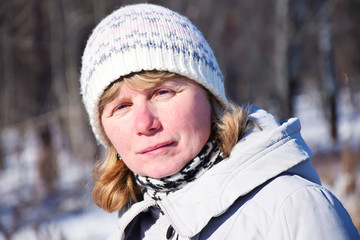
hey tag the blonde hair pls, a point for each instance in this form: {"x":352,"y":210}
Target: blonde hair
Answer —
{"x":115,"y":187}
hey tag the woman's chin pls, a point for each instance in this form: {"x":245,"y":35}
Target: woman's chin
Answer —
{"x":162,"y":173}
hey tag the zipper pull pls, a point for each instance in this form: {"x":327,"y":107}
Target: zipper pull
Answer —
{"x":158,"y":206}
{"x":170,"y":233}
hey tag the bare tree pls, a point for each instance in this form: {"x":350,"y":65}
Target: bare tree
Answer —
{"x":327,"y":65}
{"x":298,"y":12}
{"x":281,"y":32}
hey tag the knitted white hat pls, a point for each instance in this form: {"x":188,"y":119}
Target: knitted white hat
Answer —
{"x":144,"y":37}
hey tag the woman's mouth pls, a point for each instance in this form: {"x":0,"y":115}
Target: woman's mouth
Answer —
{"x":158,"y":148}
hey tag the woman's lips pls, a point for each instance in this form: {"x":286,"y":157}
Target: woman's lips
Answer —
{"x":157,"y":148}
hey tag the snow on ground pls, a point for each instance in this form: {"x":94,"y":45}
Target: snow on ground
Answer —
{"x":94,"y":224}
{"x":67,"y":214}
{"x":315,"y":127}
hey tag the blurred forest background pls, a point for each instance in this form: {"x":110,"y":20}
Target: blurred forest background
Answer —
{"x":273,"y":54}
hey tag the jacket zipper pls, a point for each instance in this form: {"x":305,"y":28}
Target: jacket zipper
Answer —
{"x":134,"y":216}
{"x":163,"y":210}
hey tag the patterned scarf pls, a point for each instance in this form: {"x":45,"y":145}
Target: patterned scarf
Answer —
{"x":159,"y":188}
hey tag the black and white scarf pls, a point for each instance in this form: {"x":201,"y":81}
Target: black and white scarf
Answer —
{"x":158,"y":188}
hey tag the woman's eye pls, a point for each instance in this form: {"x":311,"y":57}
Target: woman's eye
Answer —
{"x":121,"y":108}
{"x":163,"y":94}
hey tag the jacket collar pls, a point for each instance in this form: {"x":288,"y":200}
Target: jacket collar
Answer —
{"x":258,"y":157}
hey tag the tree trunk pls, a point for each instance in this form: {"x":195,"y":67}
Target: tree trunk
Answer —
{"x":7,"y":71}
{"x":73,"y":117}
{"x":327,"y":65}
{"x":298,"y":13}
{"x":280,"y":58}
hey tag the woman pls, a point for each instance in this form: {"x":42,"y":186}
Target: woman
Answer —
{"x":182,"y":162}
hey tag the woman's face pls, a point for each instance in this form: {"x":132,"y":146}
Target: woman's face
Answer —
{"x":157,"y":131}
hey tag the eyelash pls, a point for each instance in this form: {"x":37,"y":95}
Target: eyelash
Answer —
{"x":162,"y":92}
{"x":121,"y":107}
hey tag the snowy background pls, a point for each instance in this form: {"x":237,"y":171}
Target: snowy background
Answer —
{"x":269,"y":51}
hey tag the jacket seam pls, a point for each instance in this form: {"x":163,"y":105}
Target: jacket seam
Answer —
{"x":286,"y":229}
{"x":299,"y":188}
{"x":281,"y":207}
{"x":312,"y":186}
{"x":249,"y":218}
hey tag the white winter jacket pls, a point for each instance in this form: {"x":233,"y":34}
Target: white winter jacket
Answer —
{"x":266,"y":189}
